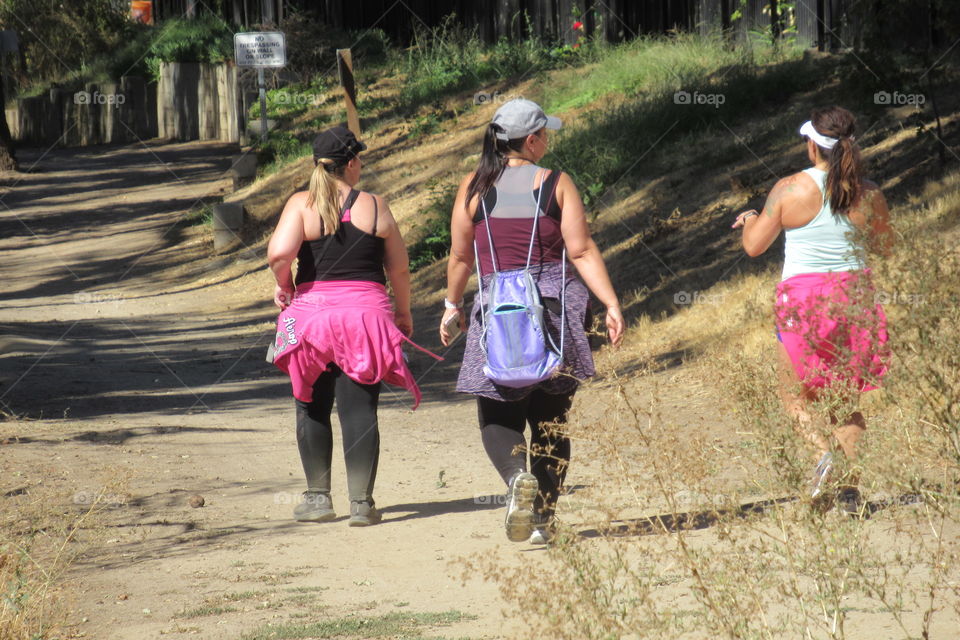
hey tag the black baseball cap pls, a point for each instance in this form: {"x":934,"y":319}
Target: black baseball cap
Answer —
{"x":338,"y":143}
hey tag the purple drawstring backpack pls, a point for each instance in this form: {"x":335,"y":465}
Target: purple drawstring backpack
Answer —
{"x":519,"y":350}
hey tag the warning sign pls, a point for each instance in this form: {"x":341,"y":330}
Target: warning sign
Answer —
{"x":260,"y":49}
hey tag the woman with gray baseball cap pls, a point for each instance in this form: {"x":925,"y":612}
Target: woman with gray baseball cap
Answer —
{"x":519,"y":215}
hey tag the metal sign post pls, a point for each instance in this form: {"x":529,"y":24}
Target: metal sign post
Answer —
{"x":262,"y":50}
{"x":261,"y":81}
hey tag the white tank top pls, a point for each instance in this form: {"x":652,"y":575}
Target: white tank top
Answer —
{"x":824,"y":244}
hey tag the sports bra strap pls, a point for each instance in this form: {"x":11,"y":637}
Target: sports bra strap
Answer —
{"x":350,"y":200}
{"x":375,"y":213}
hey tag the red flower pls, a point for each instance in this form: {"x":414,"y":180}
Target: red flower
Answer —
{"x":577,"y":26}
{"x":576,"y":45}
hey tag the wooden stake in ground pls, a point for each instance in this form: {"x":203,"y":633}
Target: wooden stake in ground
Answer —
{"x":8,"y":157}
{"x":345,"y":66}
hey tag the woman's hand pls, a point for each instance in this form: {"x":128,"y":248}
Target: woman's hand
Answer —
{"x":742,"y":218}
{"x":404,"y":322}
{"x":615,"y":325}
{"x":282,"y":296}
{"x":445,"y":336}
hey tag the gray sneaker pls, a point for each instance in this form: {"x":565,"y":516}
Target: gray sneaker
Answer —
{"x":520,"y":496}
{"x":363,"y":514}
{"x":544,"y":530}
{"x":821,"y":474}
{"x":315,"y":506}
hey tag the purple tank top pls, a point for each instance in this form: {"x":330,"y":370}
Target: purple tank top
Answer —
{"x":510,"y":205}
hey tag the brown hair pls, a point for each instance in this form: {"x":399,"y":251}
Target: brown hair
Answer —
{"x":845,"y":173}
{"x":492,"y":161}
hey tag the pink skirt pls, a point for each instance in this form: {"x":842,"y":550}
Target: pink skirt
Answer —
{"x":347,"y":323}
{"x":833,"y":329}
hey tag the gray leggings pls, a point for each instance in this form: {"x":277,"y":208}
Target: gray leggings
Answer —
{"x":357,"y":410}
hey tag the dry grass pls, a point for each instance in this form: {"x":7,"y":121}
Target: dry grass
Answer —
{"x":44,"y":531}
{"x":690,"y":535}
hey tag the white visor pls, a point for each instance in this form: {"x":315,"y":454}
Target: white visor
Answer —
{"x":821,"y":140}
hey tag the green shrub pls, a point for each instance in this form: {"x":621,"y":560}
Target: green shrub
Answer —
{"x":52,"y":32}
{"x":203,"y":39}
{"x":434,"y":229}
{"x":655,"y":76}
{"x":452,"y":58}
{"x":281,"y":148}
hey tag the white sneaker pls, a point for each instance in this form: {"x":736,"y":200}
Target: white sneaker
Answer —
{"x":520,"y":496}
{"x":543,"y":532}
{"x":821,"y":475}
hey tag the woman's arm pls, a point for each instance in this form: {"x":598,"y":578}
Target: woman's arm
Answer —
{"x":460,"y":264}
{"x":761,"y":229}
{"x":283,"y":248}
{"x":585,"y":255}
{"x":396,"y":264}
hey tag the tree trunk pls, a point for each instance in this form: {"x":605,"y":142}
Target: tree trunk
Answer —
{"x":8,"y":158}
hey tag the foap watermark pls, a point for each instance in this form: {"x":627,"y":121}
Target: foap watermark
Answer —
{"x":485,"y":97}
{"x":898,"y":297}
{"x":87,"y":498}
{"x":711,"y":99}
{"x":697,"y":297}
{"x":690,"y":499}
{"x":294,"y":98}
{"x":96,"y":297}
{"x":897,"y":99}
{"x":314,"y":498}
{"x":86,"y":97}
{"x":498,"y":499}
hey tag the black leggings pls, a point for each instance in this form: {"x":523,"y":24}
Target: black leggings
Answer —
{"x":501,"y":428}
{"x":357,"y":409}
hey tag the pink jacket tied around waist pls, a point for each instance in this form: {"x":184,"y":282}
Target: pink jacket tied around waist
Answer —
{"x":832,"y":328}
{"x":348,"y":323}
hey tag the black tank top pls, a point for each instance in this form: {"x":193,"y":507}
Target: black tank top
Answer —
{"x":348,"y":254}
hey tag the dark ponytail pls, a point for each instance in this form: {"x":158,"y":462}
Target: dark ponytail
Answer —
{"x":492,"y":161}
{"x":845,"y":172}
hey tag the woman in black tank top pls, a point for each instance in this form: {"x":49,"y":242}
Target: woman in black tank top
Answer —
{"x":337,"y":335}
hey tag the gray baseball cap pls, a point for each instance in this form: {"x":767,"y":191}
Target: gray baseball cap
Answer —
{"x":519,"y":118}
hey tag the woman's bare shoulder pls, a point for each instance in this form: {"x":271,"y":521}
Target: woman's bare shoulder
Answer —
{"x":362,"y":213}
{"x":298,"y":199}
{"x":799,"y":182}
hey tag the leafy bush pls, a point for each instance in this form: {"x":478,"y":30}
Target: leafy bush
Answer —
{"x":452,"y":58}
{"x":434,"y":241}
{"x":283,"y":147}
{"x":661,"y":79}
{"x":291,"y":101}
{"x":53,"y":33}
{"x":203,"y":39}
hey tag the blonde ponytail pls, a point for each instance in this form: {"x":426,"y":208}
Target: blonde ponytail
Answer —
{"x":324,"y":196}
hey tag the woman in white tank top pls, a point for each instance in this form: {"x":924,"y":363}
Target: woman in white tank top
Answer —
{"x":831,"y":331}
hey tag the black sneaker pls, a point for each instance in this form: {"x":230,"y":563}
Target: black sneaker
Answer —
{"x":851,"y":503}
{"x":363,"y":514}
{"x":520,"y":496}
{"x":315,"y":506}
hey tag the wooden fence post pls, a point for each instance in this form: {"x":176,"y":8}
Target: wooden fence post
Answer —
{"x":345,"y":66}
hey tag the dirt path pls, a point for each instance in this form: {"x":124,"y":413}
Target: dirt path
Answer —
{"x":135,"y":372}
{"x":151,"y":379}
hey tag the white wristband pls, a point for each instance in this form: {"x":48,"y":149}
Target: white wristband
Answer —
{"x":451,"y":305}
